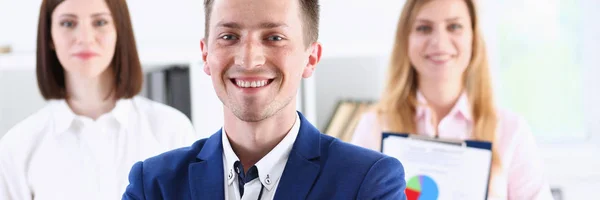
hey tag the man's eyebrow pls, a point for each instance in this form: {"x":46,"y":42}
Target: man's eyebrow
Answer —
{"x":270,"y":25}
{"x":264,"y":25}
{"x":232,"y":25}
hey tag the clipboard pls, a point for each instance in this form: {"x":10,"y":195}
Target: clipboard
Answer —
{"x":434,"y":167}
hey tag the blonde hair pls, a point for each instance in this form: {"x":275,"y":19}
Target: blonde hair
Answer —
{"x":398,"y":103}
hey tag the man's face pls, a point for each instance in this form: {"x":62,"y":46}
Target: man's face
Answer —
{"x":256,"y":55}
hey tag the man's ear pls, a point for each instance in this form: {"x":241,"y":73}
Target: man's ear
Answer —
{"x":204,"y":48}
{"x":313,"y":59}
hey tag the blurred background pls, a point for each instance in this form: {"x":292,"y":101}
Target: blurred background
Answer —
{"x":543,"y":53}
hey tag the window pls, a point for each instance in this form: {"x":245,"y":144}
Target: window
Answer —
{"x":539,"y":64}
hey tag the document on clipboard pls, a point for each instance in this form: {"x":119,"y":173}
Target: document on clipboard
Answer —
{"x":441,"y":169}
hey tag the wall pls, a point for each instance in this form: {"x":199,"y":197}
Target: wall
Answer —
{"x":356,"y":78}
{"x":19,"y":98}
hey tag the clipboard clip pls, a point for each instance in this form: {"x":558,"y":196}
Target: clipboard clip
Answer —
{"x":462,"y":143}
{"x":437,"y":139}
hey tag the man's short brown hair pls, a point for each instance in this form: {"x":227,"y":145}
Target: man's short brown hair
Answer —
{"x":310,"y":11}
{"x":125,"y":63}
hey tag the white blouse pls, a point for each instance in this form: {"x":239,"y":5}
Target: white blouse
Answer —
{"x":55,"y":154}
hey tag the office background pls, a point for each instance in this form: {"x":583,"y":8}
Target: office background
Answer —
{"x":543,"y":54}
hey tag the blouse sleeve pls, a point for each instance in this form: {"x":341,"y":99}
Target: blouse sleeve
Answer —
{"x":13,"y":178}
{"x":367,"y":133}
{"x":526,"y":177}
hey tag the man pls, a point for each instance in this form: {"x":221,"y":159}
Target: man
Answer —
{"x":257,"y":52}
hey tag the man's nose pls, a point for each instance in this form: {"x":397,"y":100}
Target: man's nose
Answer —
{"x":251,"y":54}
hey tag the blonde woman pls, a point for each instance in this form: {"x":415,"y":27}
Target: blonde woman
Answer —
{"x":439,"y":85}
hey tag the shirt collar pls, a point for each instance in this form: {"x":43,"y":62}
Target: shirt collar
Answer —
{"x":122,"y":109}
{"x":64,"y":117}
{"x":462,"y":107}
{"x":230,"y":158}
{"x":270,"y":167}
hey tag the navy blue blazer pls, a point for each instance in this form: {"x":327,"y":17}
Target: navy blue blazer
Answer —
{"x":319,"y":167}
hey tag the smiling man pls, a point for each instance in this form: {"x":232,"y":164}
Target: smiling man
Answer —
{"x":257,"y":52}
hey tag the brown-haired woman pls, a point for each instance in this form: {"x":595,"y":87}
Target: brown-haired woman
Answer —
{"x":439,"y":85}
{"x":82,"y":144}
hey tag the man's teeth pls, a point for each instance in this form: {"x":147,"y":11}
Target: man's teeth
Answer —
{"x":249,"y":84}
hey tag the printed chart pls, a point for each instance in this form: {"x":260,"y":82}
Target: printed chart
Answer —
{"x":422,"y":188}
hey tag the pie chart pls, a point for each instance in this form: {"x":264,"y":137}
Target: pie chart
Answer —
{"x":421,"y":187}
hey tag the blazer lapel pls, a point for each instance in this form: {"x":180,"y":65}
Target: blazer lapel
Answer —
{"x":303,"y":165}
{"x":207,"y":176}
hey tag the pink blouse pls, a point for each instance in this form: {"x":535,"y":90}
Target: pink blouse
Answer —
{"x":521,"y":174}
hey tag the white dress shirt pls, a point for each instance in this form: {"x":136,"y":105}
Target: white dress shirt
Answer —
{"x":56,"y":154}
{"x":270,"y":168}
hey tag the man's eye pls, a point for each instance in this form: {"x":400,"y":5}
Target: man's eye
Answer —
{"x":275,"y":38}
{"x":228,"y":37}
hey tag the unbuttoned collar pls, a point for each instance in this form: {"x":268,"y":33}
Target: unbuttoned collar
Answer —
{"x":270,"y":167}
{"x":462,"y":107}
